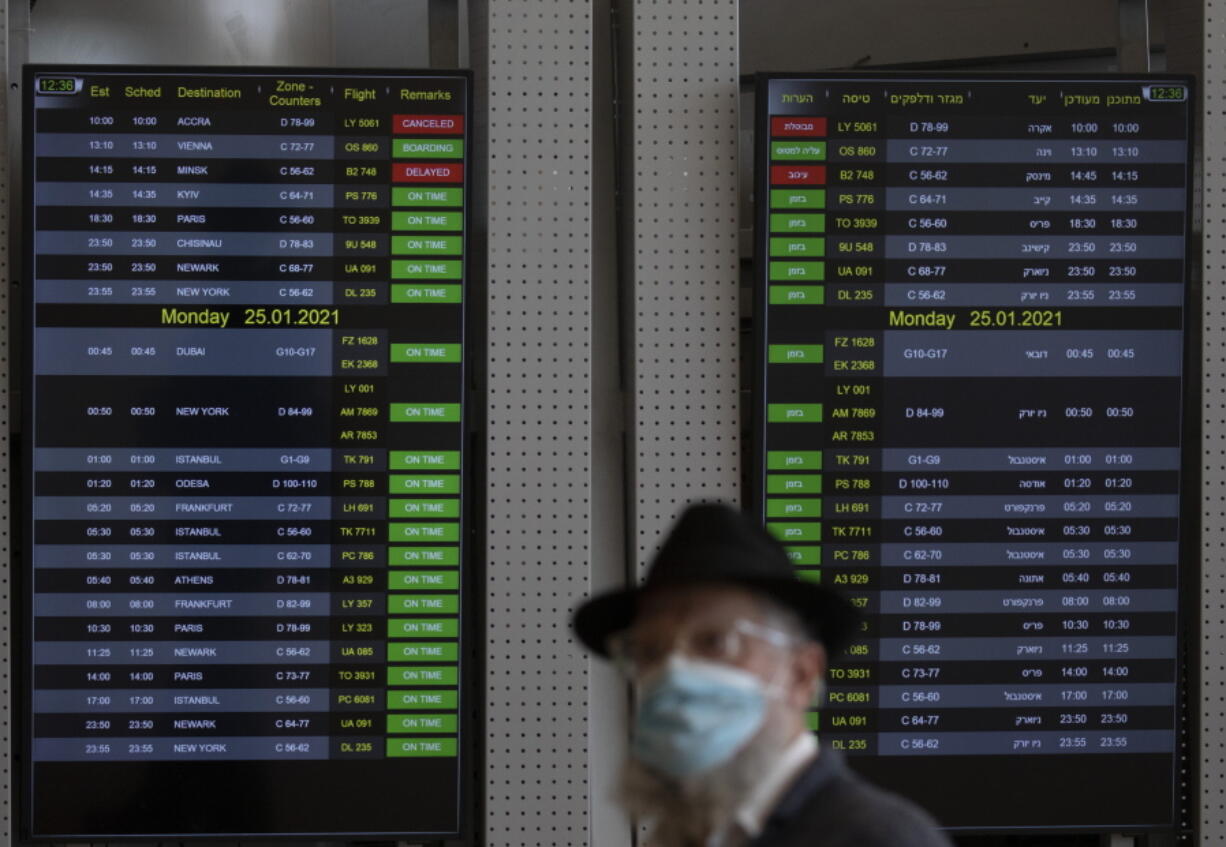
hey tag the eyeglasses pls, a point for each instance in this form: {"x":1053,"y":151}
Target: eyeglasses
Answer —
{"x":727,"y":643}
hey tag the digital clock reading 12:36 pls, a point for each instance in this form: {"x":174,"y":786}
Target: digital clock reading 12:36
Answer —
{"x":1171,"y":93}
{"x":58,"y":85}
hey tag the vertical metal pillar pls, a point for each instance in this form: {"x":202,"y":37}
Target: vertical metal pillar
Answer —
{"x":443,"y":19}
{"x":1134,"y":36}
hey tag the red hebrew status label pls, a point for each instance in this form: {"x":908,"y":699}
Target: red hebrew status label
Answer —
{"x":798,"y":174}
{"x":790,"y":127}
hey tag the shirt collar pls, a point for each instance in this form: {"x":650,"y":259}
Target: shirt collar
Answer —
{"x":751,"y":816}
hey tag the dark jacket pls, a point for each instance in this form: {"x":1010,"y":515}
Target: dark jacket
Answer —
{"x":830,"y":806}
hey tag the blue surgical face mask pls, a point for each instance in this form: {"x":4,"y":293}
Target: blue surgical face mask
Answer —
{"x":694,"y":715}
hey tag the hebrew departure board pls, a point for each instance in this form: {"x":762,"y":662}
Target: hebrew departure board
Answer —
{"x":245,"y":412}
{"x":971,"y":329}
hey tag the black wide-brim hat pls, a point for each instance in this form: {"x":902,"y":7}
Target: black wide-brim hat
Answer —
{"x":713,"y":543}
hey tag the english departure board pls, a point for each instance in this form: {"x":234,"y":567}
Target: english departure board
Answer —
{"x":245,"y":452}
{"x":971,"y":327}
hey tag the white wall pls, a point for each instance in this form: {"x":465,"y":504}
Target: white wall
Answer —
{"x":804,"y":35}
{"x":321,"y":33}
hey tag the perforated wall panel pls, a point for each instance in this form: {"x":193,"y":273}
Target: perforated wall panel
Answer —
{"x":535,"y":56}
{"x":1212,"y":771}
{"x":16,"y":52}
{"x":686,"y":413}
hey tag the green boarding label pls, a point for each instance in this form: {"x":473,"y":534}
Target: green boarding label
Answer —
{"x":422,"y":699}
{"x":427,"y":196}
{"x":442,"y":460}
{"x":427,"y":221}
{"x":797,"y":295}
{"x":425,"y":412}
{"x":813,"y":248}
{"x":813,"y":151}
{"x":427,"y":269}
{"x":422,"y":628}
{"x":788,"y":532}
{"x":788,"y":460}
{"x":423,"y":533}
{"x":813,"y":721}
{"x":427,"y":353}
{"x":780,"y":484}
{"x":428,"y":148}
{"x":809,"y":575}
{"x":423,"y":604}
{"x":796,"y":271}
{"x":423,"y":556}
{"x":419,"y":651}
{"x":435,"y":245}
{"x":421,"y":484}
{"x":804,"y":555}
{"x":798,"y":198}
{"x":421,"y":723}
{"x":427,"y":293}
{"x":422,"y":675}
{"x":421,"y":748}
{"x":419,"y":580}
{"x":397,"y":508}
{"x":782,"y":508}
{"x":798,"y":354}
{"x":781,"y":222}
{"x":794,"y":413}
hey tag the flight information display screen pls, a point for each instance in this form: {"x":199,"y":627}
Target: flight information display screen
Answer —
{"x":970,"y":418}
{"x":243,"y":595}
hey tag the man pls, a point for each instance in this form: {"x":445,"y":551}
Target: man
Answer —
{"x":726,"y":650}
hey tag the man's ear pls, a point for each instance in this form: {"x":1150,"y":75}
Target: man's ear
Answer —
{"x":808,"y":668}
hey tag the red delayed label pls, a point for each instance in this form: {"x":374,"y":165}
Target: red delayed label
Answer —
{"x":792,"y":127}
{"x":428,"y":172}
{"x":798,"y":174}
{"x":428,"y":124}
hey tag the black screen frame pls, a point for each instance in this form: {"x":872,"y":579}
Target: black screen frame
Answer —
{"x":470,"y":713}
{"x":1187,"y":682}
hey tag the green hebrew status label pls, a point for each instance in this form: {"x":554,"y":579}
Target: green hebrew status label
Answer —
{"x":783,"y":508}
{"x":797,"y":271}
{"x":794,"y":460}
{"x":798,"y":198}
{"x":804,"y":484}
{"x":804,"y":555}
{"x":795,"y":531}
{"x":796,"y":295}
{"x":794,"y":413}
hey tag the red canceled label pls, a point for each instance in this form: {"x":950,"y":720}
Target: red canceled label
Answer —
{"x":428,"y":124}
{"x":798,"y":174}
{"x":798,"y":127}
{"x":427,"y":172}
